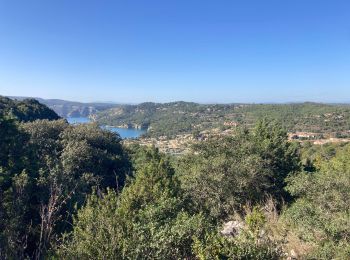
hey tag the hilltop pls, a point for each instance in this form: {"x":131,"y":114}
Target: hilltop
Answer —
{"x":26,"y":110}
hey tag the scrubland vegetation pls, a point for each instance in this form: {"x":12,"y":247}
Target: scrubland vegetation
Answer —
{"x":76,"y":192}
{"x":171,"y":119}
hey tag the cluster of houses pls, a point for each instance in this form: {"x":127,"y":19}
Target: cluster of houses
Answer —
{"x":231,"y":123}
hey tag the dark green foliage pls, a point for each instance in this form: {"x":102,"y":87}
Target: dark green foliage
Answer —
{"x":226,"y":173}
{"x":147,"y":221}
{"x":13,"y":187}
{"x":74,"y":192}
{"x":88,"y":149}
{"x":47,"y":170}
{"x":26,"y":110}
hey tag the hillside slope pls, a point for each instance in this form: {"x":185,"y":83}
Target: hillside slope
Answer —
{"x":183,"y":117}
{"x":67,"y":109}
{"x":26,"y":110}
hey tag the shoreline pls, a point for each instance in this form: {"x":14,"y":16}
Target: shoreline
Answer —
{"x":123,"y":127}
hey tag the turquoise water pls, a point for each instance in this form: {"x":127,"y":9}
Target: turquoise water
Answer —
{"x":123,"y":132}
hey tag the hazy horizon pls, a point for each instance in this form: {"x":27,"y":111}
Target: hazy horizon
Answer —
{"x":204,"y":52}
{"x":172,"y":101}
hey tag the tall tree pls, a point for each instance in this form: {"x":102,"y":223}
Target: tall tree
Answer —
{"x":224,"y":174}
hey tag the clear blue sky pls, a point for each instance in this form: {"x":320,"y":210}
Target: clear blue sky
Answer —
{"x":204,"y":51}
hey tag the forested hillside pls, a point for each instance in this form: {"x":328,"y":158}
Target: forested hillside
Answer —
{"x":26,"y":110}
{"x":66,"y":108}
{"x":76,"y":192}
{"x":170,"y":119}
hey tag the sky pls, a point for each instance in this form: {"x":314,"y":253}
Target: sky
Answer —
{"x":221,"y":51}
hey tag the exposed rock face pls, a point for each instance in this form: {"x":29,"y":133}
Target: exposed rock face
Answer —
{"x":292,"y":255}
{"x":232,"y":228}
{"x":134,"y":126}
{"x":73,"y":109}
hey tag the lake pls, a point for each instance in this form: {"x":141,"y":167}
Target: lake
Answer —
{"x":123,"y":132}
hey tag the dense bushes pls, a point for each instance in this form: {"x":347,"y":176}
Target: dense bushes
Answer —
{"x":47,"y":170}
{"x":224,"y":174}
{"x":321,"y":213}
{"x":253,"y":241}
{"x":26,"y":110}
{"x":75,"y":192}
{"x":148,"y":220}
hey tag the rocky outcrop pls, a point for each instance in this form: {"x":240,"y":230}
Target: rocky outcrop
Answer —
{"x":73,"y":109}
{"x":232,"y":228}
{"x":134,"y":126}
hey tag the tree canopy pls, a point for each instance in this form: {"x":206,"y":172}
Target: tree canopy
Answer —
{"x":78,"y":192}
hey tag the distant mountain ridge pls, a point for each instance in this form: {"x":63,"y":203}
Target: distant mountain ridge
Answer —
{"x":67,"y":109}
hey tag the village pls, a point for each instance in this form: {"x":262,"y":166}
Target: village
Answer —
{"x":181,"y":144}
